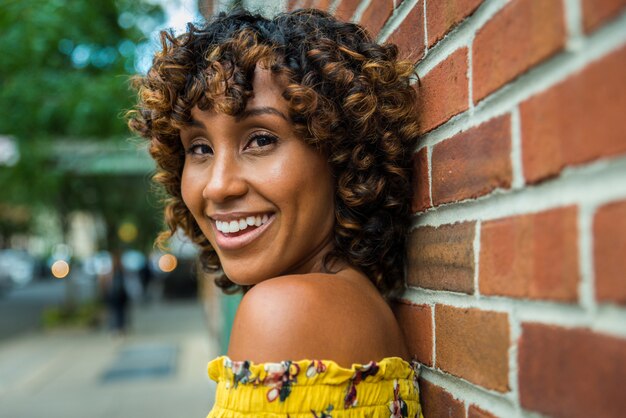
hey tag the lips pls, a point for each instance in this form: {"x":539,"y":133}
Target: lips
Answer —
{"x":244,"y":230}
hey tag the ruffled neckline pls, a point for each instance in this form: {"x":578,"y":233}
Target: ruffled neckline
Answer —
{"x":310,"y":372}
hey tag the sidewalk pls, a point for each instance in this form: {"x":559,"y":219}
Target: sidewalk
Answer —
{"x":157,"y":371}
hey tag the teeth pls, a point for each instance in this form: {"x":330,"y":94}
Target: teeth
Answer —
{"x":227,"y":227}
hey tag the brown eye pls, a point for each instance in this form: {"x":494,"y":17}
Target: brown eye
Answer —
{"x":262,"y":140}
{"x":200,"y":149}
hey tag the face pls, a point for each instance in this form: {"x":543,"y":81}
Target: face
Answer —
{"x":262,"y":197}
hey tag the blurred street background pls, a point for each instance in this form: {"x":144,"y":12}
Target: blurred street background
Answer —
{"x":94,"y":320}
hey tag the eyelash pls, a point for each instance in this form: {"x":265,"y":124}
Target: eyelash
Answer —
{"x":192,"y":150}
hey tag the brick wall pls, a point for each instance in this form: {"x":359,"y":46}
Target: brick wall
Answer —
{"x":516,"y":300}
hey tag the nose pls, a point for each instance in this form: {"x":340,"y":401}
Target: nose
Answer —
{"x":225,"y":181}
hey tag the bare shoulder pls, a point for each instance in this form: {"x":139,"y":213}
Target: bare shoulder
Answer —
{"x":322,"y":316}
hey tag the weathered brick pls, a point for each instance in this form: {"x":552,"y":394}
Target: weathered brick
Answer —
{"x":473,"y":163}
{"x":520,"y":36}
{"x":409,"y":36}
{"x":571,"y":372}
{"x":444,"y":15}
{"x":438,"y":403}
{"x":421,"y":183}
{"x":598,"y":12}
{"x":346,"y":9}
{"x":576,"y":121}
{"x":417,"y":326}
{"x":531,"y":256}
{"x":474,"y":345}
{"x":442,"y":258}
{"x":376,"y":14}
{"x":476,"y":412}
{"x":609,"y":252}
{"x":443,"y":92}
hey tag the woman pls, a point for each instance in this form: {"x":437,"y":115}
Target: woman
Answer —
{"x":286,"y":146}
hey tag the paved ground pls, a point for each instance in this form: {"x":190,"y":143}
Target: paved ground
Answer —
{"x":157,"y":371}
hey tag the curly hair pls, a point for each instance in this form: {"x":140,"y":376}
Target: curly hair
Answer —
{"x":347,"y":95}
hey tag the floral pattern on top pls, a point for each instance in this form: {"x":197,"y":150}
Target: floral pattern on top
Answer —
{"x":398,"y":407}
{"x":275,"y":381}
{"x":280,"y":377}
{"x":324,"y":414}
{"x":370,"y":369}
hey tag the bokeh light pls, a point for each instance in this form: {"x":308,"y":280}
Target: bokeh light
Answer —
{"x":127,"y":232}
{"x":60,"y":269}
{"x":167,"y":263}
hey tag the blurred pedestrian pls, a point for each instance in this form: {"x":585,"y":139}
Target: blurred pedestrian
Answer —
{"x":116,"y":296}
{"x":145,"y":276}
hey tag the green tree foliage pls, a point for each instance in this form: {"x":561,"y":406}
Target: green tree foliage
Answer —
{"x":64,"y":74}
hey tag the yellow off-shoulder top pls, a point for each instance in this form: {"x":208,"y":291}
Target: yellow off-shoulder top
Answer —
{"x":315,"y":388}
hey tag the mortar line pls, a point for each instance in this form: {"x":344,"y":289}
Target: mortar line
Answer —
{"x":470,"y":75}
{"x":429,"y":159}
{"x":426,"y":49}
{"x":573,"y":24}
{"x":516,"y":332}
{"x":333,"y":7}
{"x":433,"y":325}
{"x":397,"y":17}
{"x":516,"y":150}
{"x":476,"y":247}
{"x":586,"y":290}
{"x":602,"y":180}
{"x":608,"y":319}
{"x":358,"y":12}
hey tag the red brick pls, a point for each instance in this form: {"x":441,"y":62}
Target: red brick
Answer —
{"x":474,"y":345}
{"x":438,"y":403}
{"x":444,"y":15}
{"x":520,"y":36}
{"x":323,"y":4}
{"x":346,"y":9}
{"x":598,"y":12}
{"x":576,"y":121}
{"x":476,"y":412}
{"x":443,"y":92}
{"x":376,"y":14}
{"x":421,"y":184}
{"x":531,"y":256}
{"x":473,"y":163}
{"x":609,"y":252}
{"x":571,"y":372}
{"x":417,"y":325}
{"x":409,"y":36}
{"x":442,"y":258}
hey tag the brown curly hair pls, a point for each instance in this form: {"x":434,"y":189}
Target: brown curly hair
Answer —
{"x":347,"y":95}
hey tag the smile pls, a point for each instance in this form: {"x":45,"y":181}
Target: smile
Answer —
{"x":229,"y":227}
{"x":233,"y":234}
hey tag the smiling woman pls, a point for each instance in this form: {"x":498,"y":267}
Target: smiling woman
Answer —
{"x":286,"y":146}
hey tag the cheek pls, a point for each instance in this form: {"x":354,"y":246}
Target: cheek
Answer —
{"x":190,"y":191}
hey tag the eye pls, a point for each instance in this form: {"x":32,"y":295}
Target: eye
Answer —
{"x":261,"y":140}
{"x":199,"y":149}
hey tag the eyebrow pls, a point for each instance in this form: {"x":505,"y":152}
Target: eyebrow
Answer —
{"x":248,"y":113}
